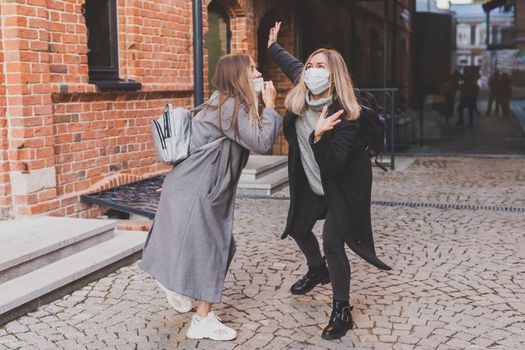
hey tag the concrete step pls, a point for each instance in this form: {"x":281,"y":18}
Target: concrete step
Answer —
{"x":25,"y":289}
{"x":28,"y":244}
{"x":266,"y":185}
{"x":260,"y":166}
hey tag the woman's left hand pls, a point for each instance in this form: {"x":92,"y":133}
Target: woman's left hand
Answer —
{"x":325,"y":124}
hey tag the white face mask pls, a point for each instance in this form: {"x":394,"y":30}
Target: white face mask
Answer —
{"x":317,"y":80}
{"x":258,"y":84}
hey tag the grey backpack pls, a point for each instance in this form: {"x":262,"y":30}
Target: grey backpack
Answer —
{"x":172,"y":135}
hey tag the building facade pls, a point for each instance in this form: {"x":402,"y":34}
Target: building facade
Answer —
{"x":471,"y":38}
{"x":81,"y":80}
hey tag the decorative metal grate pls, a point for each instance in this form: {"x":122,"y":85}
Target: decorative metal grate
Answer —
{"x":449,"y":206}
{"x":142,"y":198}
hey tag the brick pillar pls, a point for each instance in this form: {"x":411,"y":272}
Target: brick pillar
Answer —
{"x":28,"y":114}
{"x":520,"y":25}
{"x":244,"y":28}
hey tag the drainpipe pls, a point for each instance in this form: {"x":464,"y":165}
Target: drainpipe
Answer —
{"x":198,"y":66}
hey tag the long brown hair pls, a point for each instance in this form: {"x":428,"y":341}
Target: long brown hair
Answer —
{"x":233,"y":79}
{"x":342,"y":89}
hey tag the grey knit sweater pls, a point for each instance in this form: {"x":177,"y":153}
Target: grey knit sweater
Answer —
{"x":304,"y":126}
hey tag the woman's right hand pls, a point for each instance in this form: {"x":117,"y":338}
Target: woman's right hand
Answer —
{"x":325,"y":124}
{"x":269,"y":94}
{"x":274,"y":32}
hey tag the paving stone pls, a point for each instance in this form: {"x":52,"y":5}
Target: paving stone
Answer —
{"x":455,"y":284}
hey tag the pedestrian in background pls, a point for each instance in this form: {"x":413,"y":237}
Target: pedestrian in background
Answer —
{"x":505,"y":93}
{"x":469,"y":98}
{"x":494,"y":97}
{"x":448,"y":91}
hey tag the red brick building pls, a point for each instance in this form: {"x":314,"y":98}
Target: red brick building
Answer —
{"x":80,"y":82}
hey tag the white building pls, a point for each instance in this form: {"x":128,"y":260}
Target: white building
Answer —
{"x":471,"y":37}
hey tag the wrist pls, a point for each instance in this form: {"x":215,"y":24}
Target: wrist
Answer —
{"x":270,"y":105}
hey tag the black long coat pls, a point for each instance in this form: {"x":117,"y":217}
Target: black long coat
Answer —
{"x":346,"y":175}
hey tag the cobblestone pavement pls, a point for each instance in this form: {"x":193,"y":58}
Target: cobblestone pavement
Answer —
{"x":458,"y":279}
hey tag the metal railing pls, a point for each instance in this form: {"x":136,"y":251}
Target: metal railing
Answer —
{"x":389,"y":108}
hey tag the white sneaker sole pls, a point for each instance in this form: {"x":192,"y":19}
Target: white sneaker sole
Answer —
{"x":178,"y":302}
{"x":193,"y":335}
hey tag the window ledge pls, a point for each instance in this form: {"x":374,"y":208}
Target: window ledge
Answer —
{"x":127,"y":85}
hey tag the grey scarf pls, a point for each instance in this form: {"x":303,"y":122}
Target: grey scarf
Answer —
{"x":304,"y":126}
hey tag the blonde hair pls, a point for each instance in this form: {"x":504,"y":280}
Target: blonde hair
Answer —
{"x":341,"y":87}
{"x":233,"y":80}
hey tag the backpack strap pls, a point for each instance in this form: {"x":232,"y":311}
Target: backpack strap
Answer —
{"x":209,"y":145}
{"x":380,"y":166}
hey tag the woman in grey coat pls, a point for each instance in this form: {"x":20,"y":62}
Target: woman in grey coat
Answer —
{"x":190,"y":245}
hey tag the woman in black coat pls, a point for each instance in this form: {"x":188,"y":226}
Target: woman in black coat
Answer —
{"x":330,"y":174}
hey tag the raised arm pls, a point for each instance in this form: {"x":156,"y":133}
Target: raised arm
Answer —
{"x":290,"y":65}
{"x":259,"y":139}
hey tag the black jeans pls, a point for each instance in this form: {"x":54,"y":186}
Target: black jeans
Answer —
{"x":336,"y":259}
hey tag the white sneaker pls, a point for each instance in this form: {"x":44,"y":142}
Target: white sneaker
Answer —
{"x":210,"y":327}
{"x":179,"y":302}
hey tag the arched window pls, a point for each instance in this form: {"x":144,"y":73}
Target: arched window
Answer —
{"x":267,"y":21}
{"x":218,"y":38}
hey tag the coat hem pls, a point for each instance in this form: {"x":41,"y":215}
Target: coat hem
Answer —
{"x":210,"y":298}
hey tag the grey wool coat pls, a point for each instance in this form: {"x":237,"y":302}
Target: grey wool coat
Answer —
{"x":190,"y":245}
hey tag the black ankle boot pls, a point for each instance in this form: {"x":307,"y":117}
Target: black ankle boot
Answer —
{"x":340,"y":321}
{"x":315,"y":275}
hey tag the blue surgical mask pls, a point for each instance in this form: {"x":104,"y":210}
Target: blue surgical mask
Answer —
{"x":317,"y":80}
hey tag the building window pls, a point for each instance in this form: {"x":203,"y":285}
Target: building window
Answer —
{"x":477,"y":61}
{"x":463,"y":35}
{"x":464,"y":60}
{"x":101,"y":22}
{"x":481,"y":34}
{"x":102,"y":35}
{"x":217,"y":39}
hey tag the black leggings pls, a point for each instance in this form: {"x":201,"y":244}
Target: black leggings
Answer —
{"x":338,"y":264}
{"x":310,"y":248}
{"x":334,"y":251}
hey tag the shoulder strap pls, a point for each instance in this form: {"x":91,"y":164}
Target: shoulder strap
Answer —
{"x":209,"y":145}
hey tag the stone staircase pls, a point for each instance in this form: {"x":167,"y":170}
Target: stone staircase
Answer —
{"x":44,"y":258}
{"x":263,"y":176}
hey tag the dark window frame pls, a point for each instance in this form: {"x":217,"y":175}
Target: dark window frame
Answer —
{"x":107,"y":77}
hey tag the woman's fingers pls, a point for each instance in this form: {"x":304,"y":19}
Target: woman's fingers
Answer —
{"x":274,"y":32}
{"x":337,"y":114}
{"x":324,"y":112}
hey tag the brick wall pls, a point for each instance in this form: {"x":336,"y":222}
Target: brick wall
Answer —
{"x":67,"y":138}
{"x":5,"y":187}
